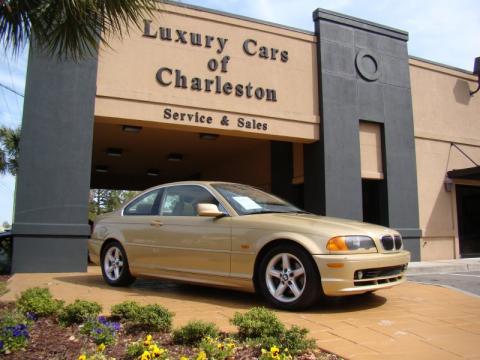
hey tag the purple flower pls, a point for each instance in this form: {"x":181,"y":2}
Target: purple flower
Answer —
{"x":98,"y":331}
{"x":115,"y":326}
{"x":32,"y":316}
{"x":102,"y":320}
{"x":1,"y":344}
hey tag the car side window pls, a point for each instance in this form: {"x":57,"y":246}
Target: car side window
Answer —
{"x":147,"y":204}
{"x":182,"y":200}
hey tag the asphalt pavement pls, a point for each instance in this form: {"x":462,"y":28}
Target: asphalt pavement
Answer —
{"x":468,"y":282}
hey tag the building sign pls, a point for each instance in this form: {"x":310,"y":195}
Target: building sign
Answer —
{"x":196,"y":69}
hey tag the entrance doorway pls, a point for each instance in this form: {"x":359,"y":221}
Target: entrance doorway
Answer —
{"x":468,"y":211}
{"x":374,"y":202}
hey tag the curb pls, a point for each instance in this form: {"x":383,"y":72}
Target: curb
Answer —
{"x":438,"y":267}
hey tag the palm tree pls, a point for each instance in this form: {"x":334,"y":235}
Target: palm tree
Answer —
{"x":68,"y":28}
{"x":9,"y":140}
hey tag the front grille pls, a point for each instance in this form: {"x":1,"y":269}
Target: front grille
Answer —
{"x":398,"y":242}
{"x":378,"y":276}
{"x":387,"y":242}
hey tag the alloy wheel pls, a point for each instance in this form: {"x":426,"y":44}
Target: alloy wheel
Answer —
{"x":113,"y":263}
{"x":285,"y":277}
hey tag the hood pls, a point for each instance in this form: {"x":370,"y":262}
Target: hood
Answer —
{"x":321,"y":225}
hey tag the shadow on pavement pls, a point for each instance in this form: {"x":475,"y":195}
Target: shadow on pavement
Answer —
{"x":220,"y":297}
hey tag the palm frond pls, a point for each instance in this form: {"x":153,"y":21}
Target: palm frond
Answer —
{"x":9,"y":150}
{"x":69,"y":28}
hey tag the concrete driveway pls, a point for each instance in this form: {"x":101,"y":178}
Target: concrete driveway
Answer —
{"x":409,"y":321}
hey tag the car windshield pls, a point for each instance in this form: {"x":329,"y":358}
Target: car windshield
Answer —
{"x":247,"y":200}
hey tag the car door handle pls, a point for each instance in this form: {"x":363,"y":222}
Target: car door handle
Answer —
{"x":156,"y":223}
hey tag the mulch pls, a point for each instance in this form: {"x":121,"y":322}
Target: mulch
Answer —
{"x":51,"y":341}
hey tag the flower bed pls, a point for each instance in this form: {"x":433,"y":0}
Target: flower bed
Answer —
{"x":135,"y":332}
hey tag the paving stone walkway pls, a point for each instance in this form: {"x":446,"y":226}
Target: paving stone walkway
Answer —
{"x":410,"y":321}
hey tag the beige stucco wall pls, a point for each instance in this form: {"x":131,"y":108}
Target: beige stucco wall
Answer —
{"x":444,"y":113}
{"x":127,"y":87}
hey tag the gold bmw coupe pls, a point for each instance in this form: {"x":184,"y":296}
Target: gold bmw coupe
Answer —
{"x":236,"y":236}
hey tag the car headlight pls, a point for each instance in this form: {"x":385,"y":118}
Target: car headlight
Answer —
{"x":353,"y":242}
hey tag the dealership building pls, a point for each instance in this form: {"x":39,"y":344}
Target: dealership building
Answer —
{"x":341,"y":122}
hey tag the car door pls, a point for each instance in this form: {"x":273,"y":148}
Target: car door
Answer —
{"x":138,"y":227}
{"x":189,"y":244}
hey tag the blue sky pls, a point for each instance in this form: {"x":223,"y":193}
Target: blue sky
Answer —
{"x":445,"y":31}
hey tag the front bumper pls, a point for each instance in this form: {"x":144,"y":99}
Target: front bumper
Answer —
{"x":94,"y":247}
{"x":379,"y":270}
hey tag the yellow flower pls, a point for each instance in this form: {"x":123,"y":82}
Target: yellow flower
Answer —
{"x":274,"y":350}
{"x":220,"y":346}
{"x":148,"y":340}
{"x":231,"y":345}
{"x":184,"y":358}
{"x":101,"y":347}
{"x":156,"y":351}
{"x":82,"y":357}
{"x":202,"y":355}
{"x":145,"y":356}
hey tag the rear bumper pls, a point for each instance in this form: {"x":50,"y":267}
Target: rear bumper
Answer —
{"x":379,"y":271}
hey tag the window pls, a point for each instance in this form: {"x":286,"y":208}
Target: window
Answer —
{"x":145,"y":205}
{"x":183,"y":200}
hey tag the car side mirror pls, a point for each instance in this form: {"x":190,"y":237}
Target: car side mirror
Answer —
{"x":210,"y":210}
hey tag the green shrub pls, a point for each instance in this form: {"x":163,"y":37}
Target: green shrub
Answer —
{"x":79,"y":312}
{"x":216,"y":349}
{"x":146,"y":349}
{"x":296,"y":341}
{"x":14,"y":331}
{"x":135,"y":350}
{"x":100,"y":330}
{"x":38,"y":301}
{"x":257,"y":323}
{"x":127,"y":310}
{"x":150,"y":317}
{"x":194,"y":332}
{"x":153,"y":318}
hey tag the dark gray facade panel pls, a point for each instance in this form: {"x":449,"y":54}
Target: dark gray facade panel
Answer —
{"x":395,"y":71}
{"x":378,"y":91}
{"x":337,"y":64}
{"x":370,"y":101}
{"x":343,"y":186}
{"x":338,"y":33}
{"x":50,"y":254}
{"x":54,"y":178}
{"x":381,"y":44}
{"x":356,"y":23}
{"x":342,"y":89}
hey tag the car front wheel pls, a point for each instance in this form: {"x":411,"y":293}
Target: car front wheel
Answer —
{"x":115,"y":268}
{"x":288,"y":277}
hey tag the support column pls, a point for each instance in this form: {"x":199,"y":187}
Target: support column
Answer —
{"x":282,"y":170}
{"x":51,"y":209}
{"x":363,"y":74}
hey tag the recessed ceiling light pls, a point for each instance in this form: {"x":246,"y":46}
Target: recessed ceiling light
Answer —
{"x":131,"y":128}
{"x":207,"y":136}
{"x":101,"y":168}
{"x":153,"y":172}
{"x":175,"y":157}
{"x":114,"y":152}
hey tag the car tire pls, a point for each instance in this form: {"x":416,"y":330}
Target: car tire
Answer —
{"x":288,"y":278}
{"x":114,"y":264}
